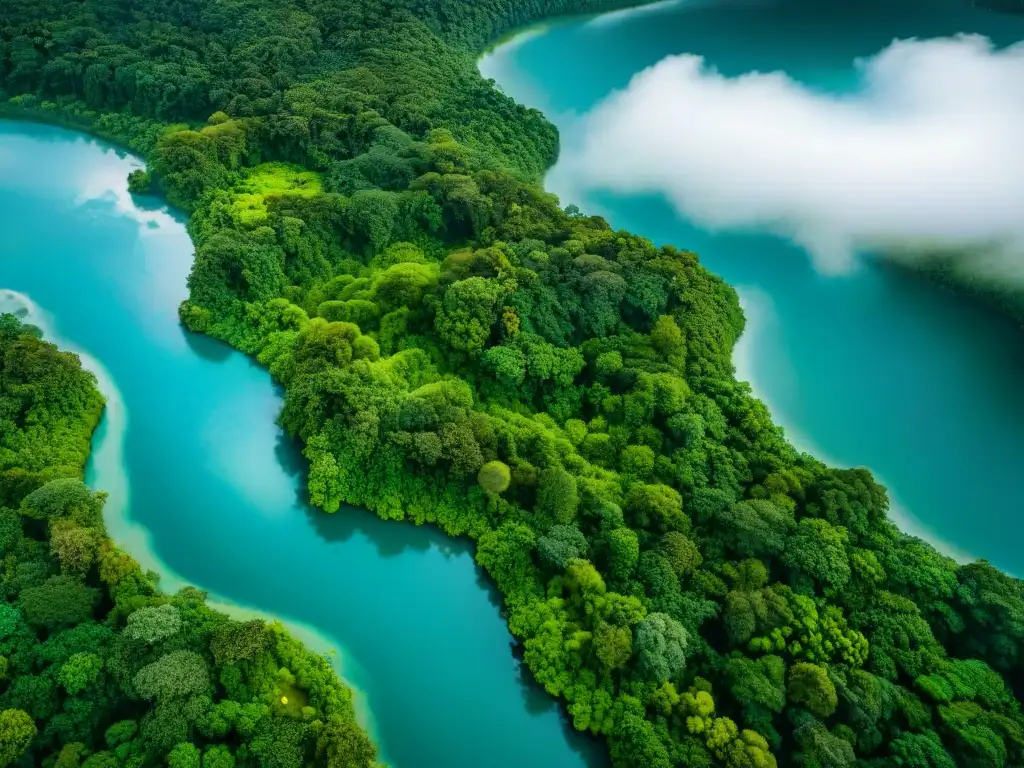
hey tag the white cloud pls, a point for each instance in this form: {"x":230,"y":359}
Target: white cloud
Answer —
{"x":98,"y":173}
{"x":928,"y":153}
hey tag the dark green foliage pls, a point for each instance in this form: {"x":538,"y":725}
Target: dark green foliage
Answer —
{"x":139,"y":182}
{"x":456,"y":349}
{"x":681,"y":553}
{"x":660,"y":645}
{"x":45,"y":421}
{"x":59,"y":601}
{"x":494,"y":477}
{"x":560,"y":545}
{"x":342,"y":743}
{"x":809,"y":687}
{"x":16,"y":733}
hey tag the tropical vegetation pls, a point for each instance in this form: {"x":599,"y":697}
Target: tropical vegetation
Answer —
{"x":458,"y":350}
{"x":98,"y":667}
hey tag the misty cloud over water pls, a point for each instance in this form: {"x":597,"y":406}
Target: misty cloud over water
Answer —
{"x":926,"y":155}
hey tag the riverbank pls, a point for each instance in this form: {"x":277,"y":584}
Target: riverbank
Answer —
{"x":105,"y":471}
{"x":84,"y":586}
{"x":617,"y":9}
{"x":221,"y":491}
{"x":760,"y":317}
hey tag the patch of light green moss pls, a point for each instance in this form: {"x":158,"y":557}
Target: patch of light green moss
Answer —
{"x":269,"y":180}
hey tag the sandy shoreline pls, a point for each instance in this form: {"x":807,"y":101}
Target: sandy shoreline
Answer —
{"x":105,"y":471}
{"x":760,"y":315}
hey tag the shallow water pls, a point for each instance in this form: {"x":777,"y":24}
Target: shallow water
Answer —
{"x":206,"y":489}
{"x":873,"y":368}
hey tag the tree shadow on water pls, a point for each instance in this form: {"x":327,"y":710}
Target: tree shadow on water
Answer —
{"x":293,"y":463}
{"x":151,"y":203}
{"x":487,"y":586}
{"x":206,"y":347}
{"x":538,"y":702}
{"x":390,"y":538}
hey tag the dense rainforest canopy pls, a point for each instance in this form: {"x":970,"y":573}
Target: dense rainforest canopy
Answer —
{"x":100,"y":669}
{"x":457,"y":349}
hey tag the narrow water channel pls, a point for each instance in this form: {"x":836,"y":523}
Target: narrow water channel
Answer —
{"x":206,"y":489}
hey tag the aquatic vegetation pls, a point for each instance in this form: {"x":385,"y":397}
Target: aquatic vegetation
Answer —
{"x":456,"y":349}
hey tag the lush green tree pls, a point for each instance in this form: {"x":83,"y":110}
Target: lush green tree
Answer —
{"x":153,"y":623}
{"x":613,"y":645}
{"x":494,"y":477}
{"x":681,"y":553}
{"x":560,"y":545}
{"x":101,"y":760}
{"x":235,"y":641}
{"x":16,"y":733}
{"x":218,"y":757}
{"x":64,"y":498}
{"x":76,"y":548}
{"x":660,"y":644}
{"x":557,"y":495}
{"x":919,"y":750}
{"x":809,"y":686}
{"x":59,"y":601}
{"x":505,"y":554}
{"x":624,"y":551}
{"x":818,"y":549}
{"x":667,"y":337}
{"x":175,"y":675}
{"x":820,"y":748}
{"x":468,"y":313}
{"x":656,"y":507}
{"x":637,"y":745}
{"x":342,"y":744}
{"x":139,"y":182}
{"x":70,"y":756}
{"x":759,"y":685}
{"x":637,"y":461}
{"x":755,"y":528}
{"x":184,"y":756}
{"x":80,"y":671}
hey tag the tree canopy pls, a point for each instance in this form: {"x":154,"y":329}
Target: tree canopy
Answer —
{"x":457,"y":349}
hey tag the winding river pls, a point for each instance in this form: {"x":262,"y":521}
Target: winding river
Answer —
{"x":205,"y":489}
{"x":869,"y":368}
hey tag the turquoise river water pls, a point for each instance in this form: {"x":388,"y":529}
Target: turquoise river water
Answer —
{"x":206,"y":490}
{"x":869,"y":369}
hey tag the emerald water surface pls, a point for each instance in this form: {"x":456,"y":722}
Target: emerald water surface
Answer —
{"x":872,"y":368}
{"x":208,"y":490}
